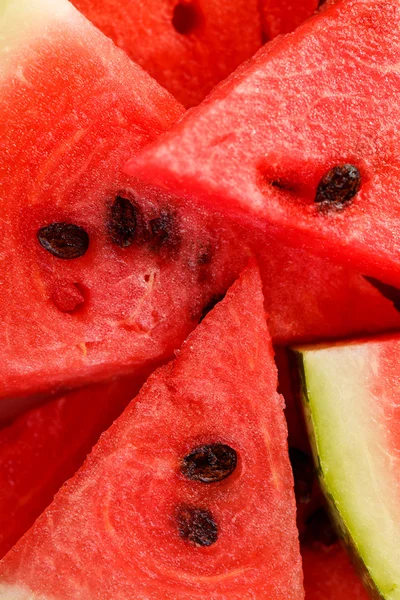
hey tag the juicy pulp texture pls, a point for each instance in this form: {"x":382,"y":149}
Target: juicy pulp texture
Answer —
{"x":112,"y":532}
{"x":41,"y":449}
{"x":187,"y":46}
{"x":73,"y":108}
{"x":324,"y":96}
{"x":351,"y":397}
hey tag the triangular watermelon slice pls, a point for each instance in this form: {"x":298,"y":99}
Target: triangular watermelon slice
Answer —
{"x":187,"y":46}
{"x":99,"y":273}
{"x":305,"y":137}
{"x":190,"y":493}
{"x":42,"y":448}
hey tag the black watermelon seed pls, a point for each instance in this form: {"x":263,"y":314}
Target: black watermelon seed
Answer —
{"x":64,"y":240}
{"x":197,"y":525}
{"x":210,"y":463}
{"x":122,"y":222}
{"x":320,"y":529}
{"x":338,"y":187}
{"x":388,"y":291}
{"x":303,"y":474}
{"x":164,"y":231}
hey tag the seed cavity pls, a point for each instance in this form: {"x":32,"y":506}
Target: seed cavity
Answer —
{"x":64,"y":240}
{"x":122,"y":222}
{"x":186,"y":18}
{"x":303,"y":474}
{"x":388,"y":291}
{"x":210,"y":463}
{"x":338,"y":187}
{"x":68,"y":297}
{"x":319,"y":529}
{"x":197,"y":526}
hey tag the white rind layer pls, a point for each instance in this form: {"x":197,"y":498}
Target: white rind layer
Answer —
{"x":22,"y":21}
{"x":347,"y":422}
{"x":16,"y":592}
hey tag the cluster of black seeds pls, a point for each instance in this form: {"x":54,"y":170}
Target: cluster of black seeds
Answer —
{"x":125,"y":225}
{"x":208,"y":464}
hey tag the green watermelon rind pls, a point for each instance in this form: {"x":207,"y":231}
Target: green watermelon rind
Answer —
{"x":340,"y":525}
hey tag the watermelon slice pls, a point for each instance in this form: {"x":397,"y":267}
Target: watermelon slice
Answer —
{"x":351,"y":396}
{"x":283,"y":16}
{"x":188,"y":46}
{"x":44,"y":447}
{"x":99,"y":273}
{"x":190,"y":493}
{"x":305,"y":137}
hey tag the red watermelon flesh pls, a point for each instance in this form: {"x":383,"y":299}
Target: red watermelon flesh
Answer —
{"x":310,"y":298}
{"x":330,"y":575}
{"x":137,"y":522}
{"x":73,"y":108}
{"x":305,"y":137}
{"x":41,"y":449}
{"x":283,"y":16}
{"x":188,"y":46}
